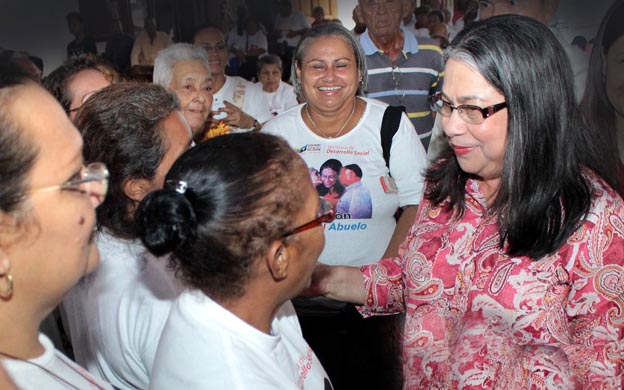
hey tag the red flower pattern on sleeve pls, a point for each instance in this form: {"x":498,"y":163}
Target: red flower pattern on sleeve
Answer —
{"x":479,"y":319}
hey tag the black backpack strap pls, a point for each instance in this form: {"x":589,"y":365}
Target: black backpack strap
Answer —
{"x":389,"y":127}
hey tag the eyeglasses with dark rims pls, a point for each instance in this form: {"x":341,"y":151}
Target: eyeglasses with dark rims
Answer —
{"x":473,"y":115}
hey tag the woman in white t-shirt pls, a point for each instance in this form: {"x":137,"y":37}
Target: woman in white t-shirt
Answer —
{"x":116,"y":315}
{"x":340,"y":126}
{"x":242,"y":223}
{"x":47,"y":217}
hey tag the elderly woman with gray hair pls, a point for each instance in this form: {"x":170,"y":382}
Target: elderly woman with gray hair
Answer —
{"x":336,"y":122}
{"x":184,"y":69}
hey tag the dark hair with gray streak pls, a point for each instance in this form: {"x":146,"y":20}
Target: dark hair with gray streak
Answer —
{"x":329,"y":30}
{"x":122,"y":127}
{"x":548,"y":148}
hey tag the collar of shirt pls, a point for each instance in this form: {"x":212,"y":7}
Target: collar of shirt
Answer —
{"x":410,"y":44}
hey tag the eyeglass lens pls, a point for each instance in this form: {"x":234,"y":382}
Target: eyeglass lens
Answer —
{"x":93,"y":180}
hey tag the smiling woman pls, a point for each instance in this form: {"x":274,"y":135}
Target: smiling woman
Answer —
{"x":517,"y":228}
{"x":340,"y":127}
{"x":185,"y":70}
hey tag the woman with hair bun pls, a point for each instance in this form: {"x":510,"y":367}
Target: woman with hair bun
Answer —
{"x":243,"y":226}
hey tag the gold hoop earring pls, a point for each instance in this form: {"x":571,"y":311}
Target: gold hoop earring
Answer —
{"x":8,"y":292}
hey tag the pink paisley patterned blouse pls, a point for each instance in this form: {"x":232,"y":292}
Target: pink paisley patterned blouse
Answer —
{"x":479,"y":319}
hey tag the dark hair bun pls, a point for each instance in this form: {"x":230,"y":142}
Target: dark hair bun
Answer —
{"x":166,"y":221}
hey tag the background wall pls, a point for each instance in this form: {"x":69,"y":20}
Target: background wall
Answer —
{"x":39,"y":26}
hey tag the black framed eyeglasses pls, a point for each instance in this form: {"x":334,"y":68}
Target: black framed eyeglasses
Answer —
{"x":326,"y":214}
{"x":473,"y":115}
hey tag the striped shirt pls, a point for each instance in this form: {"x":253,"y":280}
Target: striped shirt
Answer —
{"x":416,"y":75}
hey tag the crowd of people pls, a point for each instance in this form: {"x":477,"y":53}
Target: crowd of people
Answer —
{"x":382,"y":209}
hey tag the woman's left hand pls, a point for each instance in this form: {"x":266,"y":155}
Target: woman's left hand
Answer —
{"x":236,"y":117}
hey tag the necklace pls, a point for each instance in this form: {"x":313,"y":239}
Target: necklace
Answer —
{"x":339,"y":131}
{"x":52,"y":374}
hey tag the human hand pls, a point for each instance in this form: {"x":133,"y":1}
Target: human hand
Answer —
{"x":292,"y":34}
{"x":319,"y":279}
{"x":235,"y":117}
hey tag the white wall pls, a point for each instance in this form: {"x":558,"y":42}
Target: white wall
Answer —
{"x":38,"y":27}
{"x":345,"y":11}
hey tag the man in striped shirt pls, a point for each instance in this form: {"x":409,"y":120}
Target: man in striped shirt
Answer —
{"x":402,"y":70}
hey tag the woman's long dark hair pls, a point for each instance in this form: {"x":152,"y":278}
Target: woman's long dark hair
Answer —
{"x":544,"y":194}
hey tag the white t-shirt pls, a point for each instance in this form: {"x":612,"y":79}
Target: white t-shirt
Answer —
{"x":294,"y":22}
{"x":117,"y":313}
{"x":204,"y":346}
{"x":351,"y":241}
{"x":242,"y":94}
{"x":279,"y":101}
{"x":246,"y":42}
{"x":29,"y":376}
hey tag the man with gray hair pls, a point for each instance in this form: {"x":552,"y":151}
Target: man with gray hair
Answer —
{"x":402,"y":70}
{"x":184,"y":69}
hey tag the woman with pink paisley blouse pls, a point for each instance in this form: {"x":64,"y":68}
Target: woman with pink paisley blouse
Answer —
{"x":511,"y":276}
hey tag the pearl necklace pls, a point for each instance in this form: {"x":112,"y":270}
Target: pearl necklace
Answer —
{"x":339,"y":131}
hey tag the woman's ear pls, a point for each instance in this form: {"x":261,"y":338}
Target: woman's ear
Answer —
{"x":277,"y":260}
{"x":137,"y":189}
{"x":11,"y":230}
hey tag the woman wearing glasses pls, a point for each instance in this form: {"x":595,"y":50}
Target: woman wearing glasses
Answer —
{"x":511,"y":275}
{"x":242,"y":223}
{"x":117,"y":314}
{"x":337,"y":124}
{"x":47,"y":218}
{"x":236,"y":106}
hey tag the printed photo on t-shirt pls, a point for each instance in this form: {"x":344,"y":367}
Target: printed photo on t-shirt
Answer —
{"x":341,"y":185}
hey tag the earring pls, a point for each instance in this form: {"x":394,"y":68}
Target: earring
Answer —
{"x":8,"y":292}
